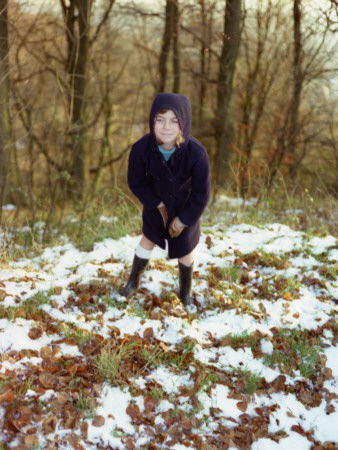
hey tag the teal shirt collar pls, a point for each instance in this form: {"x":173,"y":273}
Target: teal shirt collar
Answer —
{"x":166,"y":153}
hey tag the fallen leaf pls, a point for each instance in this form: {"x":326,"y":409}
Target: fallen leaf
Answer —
{"x":262,"y":308}
{"x":25,"y":415}
{"x":196,"y":422}
{"x":185,"y":423}
{"x":209,"y":242}
{"x":287,"y":296}
{"x":46,"y":379}
{"x":102,"y":307}
{"x":130,"y":444}
{"x":305,"y":397}
{"x":133,"y":411}
{"x":35,"y":333}
{"x":298,"y":429}
{"x":150,"y":404}
{"x":62,"y":399}
{"x":7,"y":396}
{"x":74,"y":440}
{"x":259,"y":411}
{"x":245,"y":276}
{"x":206,"y":446}
{"x":238,"y":261}
{"x":242,"y":406}
{"x":323,"y":270}
{"x":148,"y":333}
{"x":72,"y":368}
{"x":31,"y":441}
{"x":98,"y":421}
{"x":46,"y":351}
{"x":278,"y":384}
{"x":49,"y":424}
{"x":70,"y":423}
{"x":84,"y":430}
{"x":330,"y":409}
{"x":114,"y":331}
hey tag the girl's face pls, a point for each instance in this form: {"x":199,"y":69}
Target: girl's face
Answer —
{"x":166,"y":129}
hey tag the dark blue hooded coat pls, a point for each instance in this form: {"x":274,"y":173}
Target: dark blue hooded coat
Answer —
{"x":182,"y":183}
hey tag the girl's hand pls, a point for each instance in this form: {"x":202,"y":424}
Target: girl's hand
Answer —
{"x":175,"y":228}
{"x":164,"y":213}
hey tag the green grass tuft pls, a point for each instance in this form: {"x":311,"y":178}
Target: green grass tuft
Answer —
{"x":253,"y":381}
{"x":296,"y":350}
{"x":109,"y":362}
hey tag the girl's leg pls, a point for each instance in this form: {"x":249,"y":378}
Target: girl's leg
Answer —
{"x":146,"y":243}
{"x":185,"y":270}
{"x":187,"y":260}
{"x":140,"y":262}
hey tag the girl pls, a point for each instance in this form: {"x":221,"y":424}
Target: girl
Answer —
{"x":168,"y":172}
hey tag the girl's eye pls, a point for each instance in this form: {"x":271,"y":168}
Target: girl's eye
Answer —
{"x":158,"y":119}
{"x":175,"y":121}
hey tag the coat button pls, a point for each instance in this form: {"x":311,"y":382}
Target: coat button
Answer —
{"x":171,"y":196}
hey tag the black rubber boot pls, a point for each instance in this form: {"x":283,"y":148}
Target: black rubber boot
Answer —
{"x":185,"y":280}
{"x":139,"y":265}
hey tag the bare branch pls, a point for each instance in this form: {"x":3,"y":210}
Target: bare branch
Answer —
{"x":103,"y":20}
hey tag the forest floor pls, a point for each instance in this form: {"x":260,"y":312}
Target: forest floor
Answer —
{"x":252,"y":364}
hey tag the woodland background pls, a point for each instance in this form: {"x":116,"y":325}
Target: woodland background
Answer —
{"x":76,"y":88}
{"x":254,"y":363}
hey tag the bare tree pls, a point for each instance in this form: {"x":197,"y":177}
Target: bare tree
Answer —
{"x":259,"y":73}
{"x":227,"y":65}
{"x":77,"y":19}
{"x":170,"y":39}
{"x":99,"y":105}
{"x":309,"y":64}
{"x":298,"y":80}
{"x":207,"y":10}
{"x":176,"y":49}
{"x":5,"y":120}
{"x":331,"y":15}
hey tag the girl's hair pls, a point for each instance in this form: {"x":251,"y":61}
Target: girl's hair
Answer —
{"x":180,"y":139}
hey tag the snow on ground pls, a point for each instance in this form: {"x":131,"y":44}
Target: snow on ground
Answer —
{"x":253,"y":364}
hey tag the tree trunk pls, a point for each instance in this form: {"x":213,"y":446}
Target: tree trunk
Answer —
{"x":176,"y":53}
{"x":203,"y":85}
{"x":5,"y":120}
{"x":77,"y":19}
{"x":170,"y":35}
{"x":224,"y":115}
{"x":297,"y":87}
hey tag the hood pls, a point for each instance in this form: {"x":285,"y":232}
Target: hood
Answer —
{"x":178,"y":103}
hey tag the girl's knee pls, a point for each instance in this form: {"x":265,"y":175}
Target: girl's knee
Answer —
{"x":187,"y":260}
{"x":146,"y":243}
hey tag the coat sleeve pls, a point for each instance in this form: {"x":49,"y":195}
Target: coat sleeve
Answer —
{"x":138,"y":180}
{"x":200,"y":191}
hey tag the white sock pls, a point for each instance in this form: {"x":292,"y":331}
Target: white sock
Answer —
{"x":143,"y":253}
